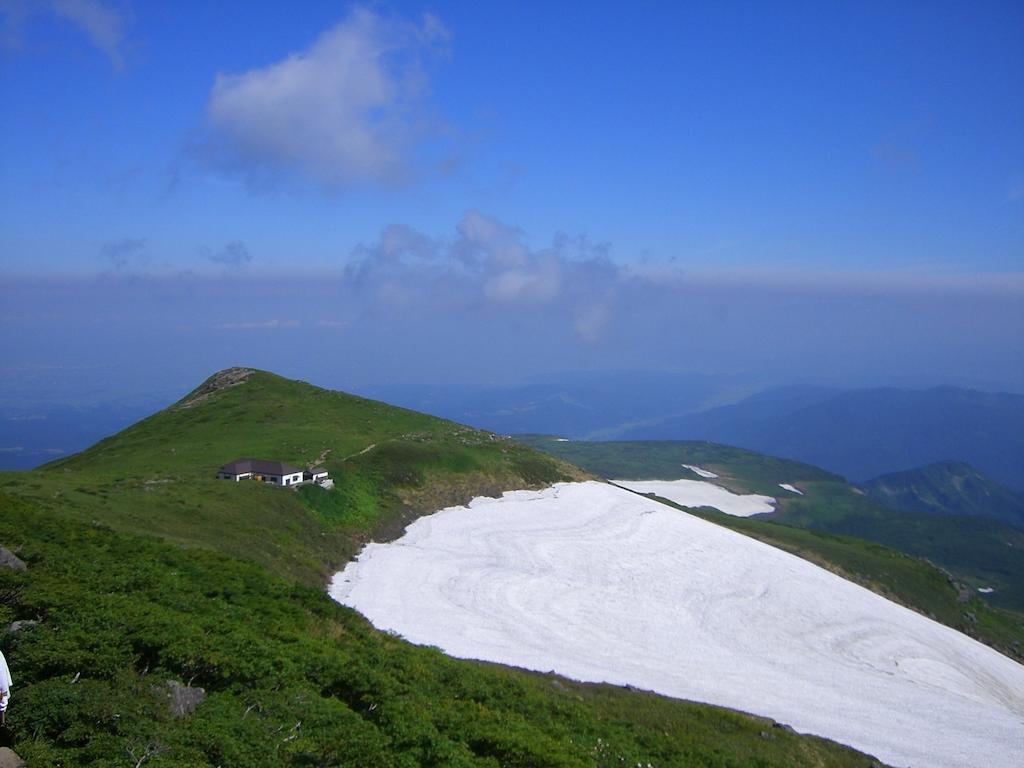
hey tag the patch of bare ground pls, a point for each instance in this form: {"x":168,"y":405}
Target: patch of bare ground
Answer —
{"x":321,"y":458}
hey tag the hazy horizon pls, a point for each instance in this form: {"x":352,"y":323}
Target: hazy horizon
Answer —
{"x":434,"y":194}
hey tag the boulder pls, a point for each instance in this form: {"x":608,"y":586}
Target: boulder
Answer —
{"x":9,"y":759}
{"x":183,"y":699}
{"x":10,"y":560}
{"x":17,"y":626}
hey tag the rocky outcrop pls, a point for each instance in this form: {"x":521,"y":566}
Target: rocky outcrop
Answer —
{"x":11,"y":561}
{"x":18,"y":626}
{"x":183,"y":699}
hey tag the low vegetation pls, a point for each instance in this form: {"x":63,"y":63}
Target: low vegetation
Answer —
{"x":147,"y":579}
{"x":292,"y":678}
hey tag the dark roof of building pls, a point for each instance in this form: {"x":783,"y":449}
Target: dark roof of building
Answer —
{"x":259,"y":467}
{"x":316,"y":471}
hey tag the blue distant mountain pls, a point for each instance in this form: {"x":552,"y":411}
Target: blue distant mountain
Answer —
{"x":585,"y":405}
{"x":867,"y":432}
{"x":947,"y":488}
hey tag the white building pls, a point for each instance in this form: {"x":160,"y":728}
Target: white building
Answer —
{"x":315,"y":475}
{"x":274,"y":472}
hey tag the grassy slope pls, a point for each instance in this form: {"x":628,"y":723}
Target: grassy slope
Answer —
{"x":240,"y":610}
{"x":813,"y":527}
{"x":389,"y":464}
{"x":981,"y":552}
{"x":294,"y":679}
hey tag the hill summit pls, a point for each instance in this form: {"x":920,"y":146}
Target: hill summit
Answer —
{"x":389,"y":466}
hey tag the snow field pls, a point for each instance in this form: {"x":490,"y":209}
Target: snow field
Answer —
{"x":790,"y":488}
{"x":702,"y":472}
{"x":697,"y":493}
{"x":600,"y":584}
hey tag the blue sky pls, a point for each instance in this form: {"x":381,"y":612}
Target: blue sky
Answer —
{"x":840,"y":162}
{"x":822,"y":135}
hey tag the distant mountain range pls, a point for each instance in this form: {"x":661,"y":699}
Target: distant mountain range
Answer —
{"x":947,"y":488}
{"x":867,"y":432}
{"x":591,"y":405}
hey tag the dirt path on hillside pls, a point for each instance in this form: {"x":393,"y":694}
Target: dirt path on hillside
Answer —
{"x":367,"y":449}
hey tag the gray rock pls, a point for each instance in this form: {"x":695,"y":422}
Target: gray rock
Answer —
{"x":17,"y":626}
{"x":9,"y":759}
{"x":9,"y":560}
{"x":183,"y":699}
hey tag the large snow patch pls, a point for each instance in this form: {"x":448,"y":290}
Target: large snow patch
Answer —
{"x":597,"y":583}
{"x":697,"y":493}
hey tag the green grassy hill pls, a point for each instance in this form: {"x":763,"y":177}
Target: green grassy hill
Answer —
{"x":158,"y":477}
{"x":947,"y":488}
{"x":835,"y":525}
{"x":143,"y":569}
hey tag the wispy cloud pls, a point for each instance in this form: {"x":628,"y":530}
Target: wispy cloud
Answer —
{"x":124,"y":254}
{"x":930,"y":280}
{"x":104,"y":25}
{"x":259,"y":325}
{"x":234,"y":254}
{"x":349,"y":109}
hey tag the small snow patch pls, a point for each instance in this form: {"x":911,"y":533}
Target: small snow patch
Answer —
{"x":561,"y":439}
{"x":697,"y":493}
{"x":701,"y":472}
{"x":986,"y":590}
{"x":791,"y":489}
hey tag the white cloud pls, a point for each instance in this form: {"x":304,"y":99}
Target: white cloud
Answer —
{"x":350,"y":109}
{"x":489,"y":265}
